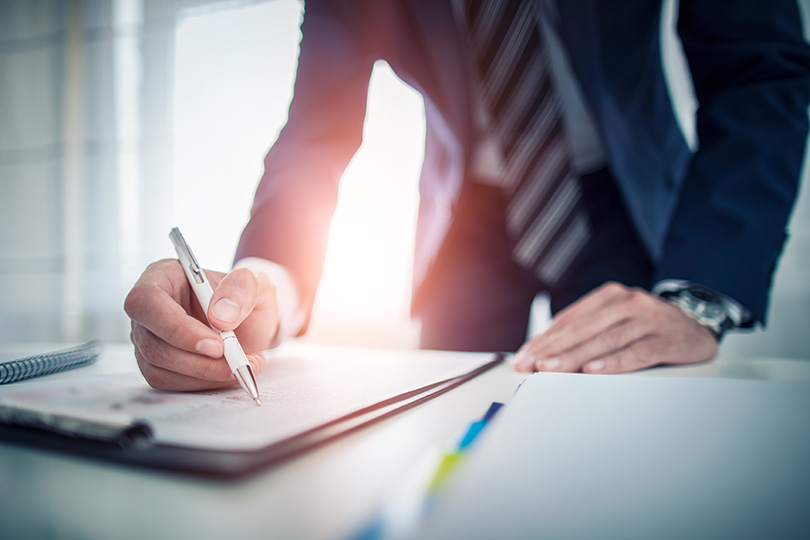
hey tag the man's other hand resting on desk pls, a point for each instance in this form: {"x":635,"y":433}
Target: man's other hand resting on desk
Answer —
{"x":174,"y":346}
{"x":616,"y":329}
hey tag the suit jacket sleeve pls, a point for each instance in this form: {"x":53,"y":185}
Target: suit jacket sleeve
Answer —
{"x":750,"y":66}
{"x":297,"y":194}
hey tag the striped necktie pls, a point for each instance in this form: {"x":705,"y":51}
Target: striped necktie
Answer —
{"x":545,"y":213}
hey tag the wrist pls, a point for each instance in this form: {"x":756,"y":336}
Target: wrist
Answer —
{"x":705,"y":306}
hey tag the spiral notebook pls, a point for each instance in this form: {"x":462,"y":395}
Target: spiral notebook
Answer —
{"x":15,"y":368}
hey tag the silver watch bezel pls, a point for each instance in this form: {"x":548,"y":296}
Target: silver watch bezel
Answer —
{"x":706,"y":311}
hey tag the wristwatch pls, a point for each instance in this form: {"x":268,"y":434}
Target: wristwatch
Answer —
{"x":706,"y":307}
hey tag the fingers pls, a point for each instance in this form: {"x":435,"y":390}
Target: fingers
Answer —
{"x":589,"y":355}
{"x":175,"y":348}
{"x":626,"y":359}
{"x":245,"y":301}
{"x":617,"y":329}
{"x":600,"y":329}
{"x":257,"y":361}
{"x":234,"y":298}
{"x":169,"y":368}
{"x":597,"y":300}
{"x":161,"y":302}
{"x":587,"y":319}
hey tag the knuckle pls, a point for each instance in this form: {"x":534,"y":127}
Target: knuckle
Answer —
{"x":210,"y":370}
{"x":567,"y":333}
{"x":643,"y":353}
{"x":179,"y":332}
{"x":243,"y":279}
{"x":240,"y":274}
{"x":147,"y":348}
{"x":622,"y":360}
{"x":159,"y":268}
{"x":175,"y":332}
{"x":133,"y":301}
{"x":153,"y":376}
{"x":635,"y":295}
{"x":156,"y":381}
{"x":151,"y":349}
{"x":612,"y":340}
{"x":138,"y":300}
{"x":636,"y":300}
{"x":162,"y":265}
{"x":659,"y":318}
{"x":614,"y":286}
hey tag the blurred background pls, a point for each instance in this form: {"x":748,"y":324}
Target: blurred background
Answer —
{"x":120,"y":119}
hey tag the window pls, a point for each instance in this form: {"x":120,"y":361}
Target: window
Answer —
{"x":233,"y":79}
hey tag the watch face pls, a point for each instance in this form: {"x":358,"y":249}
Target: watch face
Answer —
{"x":704,"y":295}
{"x":705,"y":310}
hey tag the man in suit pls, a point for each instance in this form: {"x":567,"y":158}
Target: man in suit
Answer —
{"x":674,"y":246}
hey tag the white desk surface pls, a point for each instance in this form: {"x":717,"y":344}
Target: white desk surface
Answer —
{"x":328,"y":493}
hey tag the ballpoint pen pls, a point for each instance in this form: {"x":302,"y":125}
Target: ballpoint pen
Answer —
{"x":234,"y":354}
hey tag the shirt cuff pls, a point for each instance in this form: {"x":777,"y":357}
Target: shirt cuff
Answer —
{"x":290,"y":315}
{"x":739,"y":314}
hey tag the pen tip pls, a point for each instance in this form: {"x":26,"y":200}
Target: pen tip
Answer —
{"x":258,"y":401}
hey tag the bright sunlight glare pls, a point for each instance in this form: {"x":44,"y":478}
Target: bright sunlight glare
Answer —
{"x":230,"y":99}
{"x":365,"y":291}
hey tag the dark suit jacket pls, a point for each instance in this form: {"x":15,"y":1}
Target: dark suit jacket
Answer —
{"x":715,"y":217}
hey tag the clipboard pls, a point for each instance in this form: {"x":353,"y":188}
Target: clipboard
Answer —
{"x":152,"y":450}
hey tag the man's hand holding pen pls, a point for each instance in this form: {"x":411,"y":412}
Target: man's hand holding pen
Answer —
{"x":175,"y":348}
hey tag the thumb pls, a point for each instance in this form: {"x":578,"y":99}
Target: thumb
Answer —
{"x":234,"y":299}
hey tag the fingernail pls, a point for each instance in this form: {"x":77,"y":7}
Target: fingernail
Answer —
{"x":226,"y":310}
{"x":209,"y":347}
{"x":550,"y":363}
{"x":596,"y":365}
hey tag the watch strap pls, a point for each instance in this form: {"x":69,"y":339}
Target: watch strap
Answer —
{"x":740,"y":316}
{"x":706,"y":296}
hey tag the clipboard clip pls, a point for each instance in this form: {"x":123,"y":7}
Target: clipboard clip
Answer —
{"x":127,"y":435}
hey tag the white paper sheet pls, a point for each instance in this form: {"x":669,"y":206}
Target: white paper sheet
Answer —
{"x":606,"y":456}
{"x":299,"y":391}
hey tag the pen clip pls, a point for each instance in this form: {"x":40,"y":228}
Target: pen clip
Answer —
{"x":182,"y":248}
